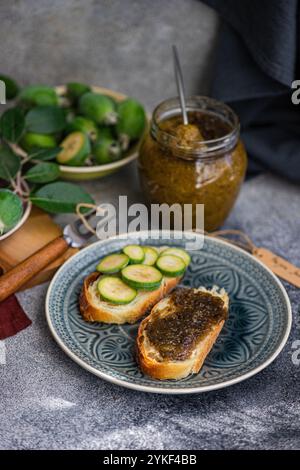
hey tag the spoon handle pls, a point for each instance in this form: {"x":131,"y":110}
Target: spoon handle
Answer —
{"x":180,"y":85}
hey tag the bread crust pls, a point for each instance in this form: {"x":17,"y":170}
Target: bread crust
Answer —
{"x":166,"y":369}
{"x":130,"y":313}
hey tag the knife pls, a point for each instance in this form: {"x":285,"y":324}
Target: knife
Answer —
{"x":75,"y":235}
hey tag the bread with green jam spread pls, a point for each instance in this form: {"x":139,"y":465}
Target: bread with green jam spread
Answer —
{"x":174,"y":340}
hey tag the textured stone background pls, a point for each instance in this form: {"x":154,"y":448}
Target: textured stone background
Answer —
{"x":120,"y":44}
{"x":47,"y":401}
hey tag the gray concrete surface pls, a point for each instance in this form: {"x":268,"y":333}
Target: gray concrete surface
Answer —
{"x":120,"y":44}
{"x":49,"y":402}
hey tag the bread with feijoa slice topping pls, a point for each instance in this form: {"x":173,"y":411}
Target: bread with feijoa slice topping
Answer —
{"x":95,"y":308}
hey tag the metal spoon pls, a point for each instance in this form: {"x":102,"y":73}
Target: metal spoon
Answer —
{"x":180,"y":85}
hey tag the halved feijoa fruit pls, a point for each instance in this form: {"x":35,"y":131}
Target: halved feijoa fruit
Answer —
{"x":113,"y":263}
{"x":113,"y":289}
{"x":75,"y":149}
{"x":135,"y":252}
{"x":170,"y":265}
{"x":151,"y":255}
{"x":140,"y":276}
{"x":178,"y":252}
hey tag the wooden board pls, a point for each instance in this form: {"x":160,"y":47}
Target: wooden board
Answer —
{"x":37,"y":231}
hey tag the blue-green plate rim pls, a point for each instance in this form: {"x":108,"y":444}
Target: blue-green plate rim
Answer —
{"x":166,"y":390}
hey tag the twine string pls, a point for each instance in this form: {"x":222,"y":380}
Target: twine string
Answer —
{"x":233,"y":236}
{"x":243,"y":240}
{"x":83,"y":217}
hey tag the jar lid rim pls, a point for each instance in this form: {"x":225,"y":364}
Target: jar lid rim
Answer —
{"x":200,"y":103}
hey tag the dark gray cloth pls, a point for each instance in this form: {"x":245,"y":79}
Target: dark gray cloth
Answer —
{"x":256,"y":63}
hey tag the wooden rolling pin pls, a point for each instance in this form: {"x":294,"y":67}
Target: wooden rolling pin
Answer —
{"x":12,"y":280}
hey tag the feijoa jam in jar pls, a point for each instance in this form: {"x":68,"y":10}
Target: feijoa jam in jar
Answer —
{"x":203,"y":162}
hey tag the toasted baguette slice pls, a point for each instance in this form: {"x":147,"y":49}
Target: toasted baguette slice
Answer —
{"x":149,"y":358}
{"x":92,"y":308}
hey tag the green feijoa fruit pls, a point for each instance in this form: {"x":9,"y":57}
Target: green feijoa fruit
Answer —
{"x":151,"y":255}
{"x":131,"y":121}
{"x":99,"y":108}
{"x":45,"y":120}
{"x":177,"y":252}
{"x":135,"y":253}
{"x":83,"y":124}
{"x":11,"y":210}
{"x":75,"y":90}
{"x":11,"y":87}
{"x":75,"y":149}
{"x":43,"y":172}
{"x":38,"y":95}
{"x":171,"y":265}
{"x":113,"y":263}
{"x":60,"y":197}
{"x":32,"y":141}
{"x":140,"y":276}
{"x":106,"y":150}
{"x":12,"y":124}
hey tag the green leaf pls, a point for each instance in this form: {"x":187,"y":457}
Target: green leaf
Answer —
{"x":45,"y":154}
{"x":11,"y":210}
{"x":43,"y":173}
{"x":45,"y":120}
{"x":11,"y":87}
{"x":12,"y":124}
{"x":60,"y":197}
{"x":10,"y":163}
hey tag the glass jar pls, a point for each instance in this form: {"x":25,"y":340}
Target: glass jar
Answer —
{"x":207,"y":171}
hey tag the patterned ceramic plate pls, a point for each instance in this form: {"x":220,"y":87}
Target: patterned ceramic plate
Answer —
{"x":254,"y":334}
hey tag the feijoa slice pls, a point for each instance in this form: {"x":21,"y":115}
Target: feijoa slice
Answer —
{"x":140,"y":276}
{"x":75,"y":149}
{"x":170,"y":265}
{"x":178,"y":252}
{"x":150,"y":255}
{"x":113,"y":289}
{"x":135,"y":252}
{"x":113,"y":263}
